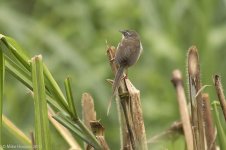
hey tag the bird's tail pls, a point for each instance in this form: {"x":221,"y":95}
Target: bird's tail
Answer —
{"x":118,"y":77}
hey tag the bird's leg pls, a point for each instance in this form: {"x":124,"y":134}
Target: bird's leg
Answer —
{"x":112,"y":59}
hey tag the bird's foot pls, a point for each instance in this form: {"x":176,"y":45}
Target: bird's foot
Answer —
{"x":125,"y":77}
{"x":112,"y":59}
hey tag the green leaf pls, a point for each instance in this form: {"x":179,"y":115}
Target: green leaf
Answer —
{"x":25,"y":78}
{"x":19,"y":54}
{"x":2,"y":76}
{"x":79,"y":129}
{"x":55,"y":90}
{"x":220,"y":130}
{"x":67,"y":84}
{"x":42,"y":136}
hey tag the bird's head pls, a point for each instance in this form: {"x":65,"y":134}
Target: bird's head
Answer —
{"x":128,"y":34}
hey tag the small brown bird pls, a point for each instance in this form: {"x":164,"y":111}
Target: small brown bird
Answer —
{"x":127,"y":54}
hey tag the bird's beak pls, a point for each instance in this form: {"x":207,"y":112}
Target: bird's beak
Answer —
{"x":122,"y":31}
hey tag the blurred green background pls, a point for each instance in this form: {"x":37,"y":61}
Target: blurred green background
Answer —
{"x":71,"y":35}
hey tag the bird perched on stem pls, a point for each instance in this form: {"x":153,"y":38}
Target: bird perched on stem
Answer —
{"x":127,"y":54}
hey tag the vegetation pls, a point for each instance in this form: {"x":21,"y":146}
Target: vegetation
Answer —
{"x":71,"y":38}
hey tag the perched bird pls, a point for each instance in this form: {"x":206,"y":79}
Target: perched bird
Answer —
{"x":127,"y":54}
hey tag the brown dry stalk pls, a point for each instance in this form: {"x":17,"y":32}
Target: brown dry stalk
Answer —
{"x":178,"y":83}
{"x":137,"y":116}
{"x":220,"y":94}
{"x":196,"y":99}
{"x":89,"y":118}
{"x":209,"y":127}
{"x":88,"y":111}
{"x":129,"y":99}
{"x":98,"y":130}
{"x":124,"y":135}
{"x":33,"y":141}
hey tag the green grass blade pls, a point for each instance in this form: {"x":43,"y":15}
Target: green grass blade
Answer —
{"x":19,"y":54}
{"x":75,"y":128}
{"x":2,"y":76}
{"x":42,"y":135}
{"x":67,"y":84}
{"x":55,"y":89}
{"x":21,"y":75}
{"x":220,"y":130}
{"x":52,"y":86}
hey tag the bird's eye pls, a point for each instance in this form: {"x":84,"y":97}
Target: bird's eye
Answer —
{"x":128,"y":33}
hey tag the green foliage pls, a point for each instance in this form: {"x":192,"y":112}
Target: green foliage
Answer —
{"x":71,"y":37}
{"x":219,"y":125}
{"x":2,"y":78}
{"x":55,"y":97}
{"x":42,"y":135}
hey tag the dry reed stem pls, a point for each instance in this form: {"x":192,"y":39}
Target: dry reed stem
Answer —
{"x":33,"y":141}
{"x":220,"y":94}
{"x":209,"y":127}
{"x":129,"y":98}
{"x":178,"y":83}
{"x":124,"y":135}
{"x":88,"y":111}
{"x":137,"y":116}
{"x":89,"y":118}
{"x":98,"y":130}
{"x":196,"y":99}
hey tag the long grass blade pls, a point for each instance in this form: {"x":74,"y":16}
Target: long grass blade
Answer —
{"x":20,"y":55}
{"x":42,"y":135}
{"x":220,"y":130}
{"x":24,"y":77}
{"x":2,"y":76}
{"x":67,"y":84}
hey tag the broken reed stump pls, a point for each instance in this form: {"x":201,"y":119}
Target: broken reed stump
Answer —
{"x":89,"y":118}
{"x":129,"y":107}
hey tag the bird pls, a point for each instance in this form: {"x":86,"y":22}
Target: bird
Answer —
{"x":127,"y":54}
